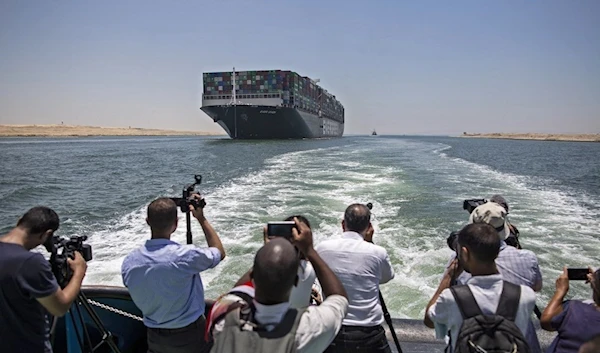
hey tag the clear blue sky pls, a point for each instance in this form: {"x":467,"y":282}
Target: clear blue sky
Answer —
{"x":419,"y":67}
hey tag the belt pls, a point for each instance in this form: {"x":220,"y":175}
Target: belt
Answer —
{"x":198,"y":323}
{"x":361,"y":328}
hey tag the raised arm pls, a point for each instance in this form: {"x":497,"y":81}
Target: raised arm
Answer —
{"x":212,"y":238}
{"x":452,"y":270}
{"x":555,"y":306}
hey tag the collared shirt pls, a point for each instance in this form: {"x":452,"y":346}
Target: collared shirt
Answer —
{"x":318,"y":325}
{"x":487,"y":290}
{"x":517,"y":267}
{"x":361,"y":266}
{"x":164,"y":282}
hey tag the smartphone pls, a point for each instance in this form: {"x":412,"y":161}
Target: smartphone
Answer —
{"x":577,"y":274}
{"x":280,"y":229}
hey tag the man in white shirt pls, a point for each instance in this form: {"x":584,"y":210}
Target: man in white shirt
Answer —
{"x":361,"y":266}
{"x":270,"y":324}
{"x":478,"y":246}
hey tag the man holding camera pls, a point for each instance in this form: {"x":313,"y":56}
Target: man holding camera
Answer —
{"x":512,"y":238}
{"x":28,"y":288}
{"x":269,"y":323}
{"x":361,"y":266}
{"x":477,"y":249}
{"x":164,"y":281}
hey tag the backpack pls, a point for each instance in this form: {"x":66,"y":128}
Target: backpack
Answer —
{"x":495,"y":333}
{"x":242,"y":334}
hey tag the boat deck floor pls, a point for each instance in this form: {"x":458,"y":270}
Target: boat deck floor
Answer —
{"x":415,"y":337}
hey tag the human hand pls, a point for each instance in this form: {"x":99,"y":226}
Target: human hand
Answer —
{"x":562,"y":282}
{"x":316,"y":296}
{"x":198,"y":213}
{"x":454,"y":269}
{"x":78,"y":264}
{"x":302,"y":237}
{"x":593,"y":281}
{"x":265,"y":235}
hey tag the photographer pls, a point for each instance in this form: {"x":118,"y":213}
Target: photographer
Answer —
{"x":516,"y":266}
{"x":268,"y":323}
{"x":362,"y":267}
{"x":28,"y":287}
{"x":164,"y":281}
{"x":512,"y":238}
{"x":576,"y":321}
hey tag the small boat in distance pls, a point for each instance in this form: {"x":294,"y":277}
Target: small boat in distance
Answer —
{"x":374,"y":133}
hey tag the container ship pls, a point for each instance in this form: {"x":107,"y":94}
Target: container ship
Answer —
{"x":271,"y":104}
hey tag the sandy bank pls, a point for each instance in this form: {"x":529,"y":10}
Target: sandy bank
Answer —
{"x":76,"y":130}
{"x":542,"y":137}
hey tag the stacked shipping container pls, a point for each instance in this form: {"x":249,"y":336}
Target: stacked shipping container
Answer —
{"x":296,"y":91}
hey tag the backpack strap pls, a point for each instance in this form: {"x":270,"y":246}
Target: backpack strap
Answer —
{"x":466,"y":301}
{"x":509,"y":301}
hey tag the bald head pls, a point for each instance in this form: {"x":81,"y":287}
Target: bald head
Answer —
{"x":357,"y":218}
{"x":274,"y":272}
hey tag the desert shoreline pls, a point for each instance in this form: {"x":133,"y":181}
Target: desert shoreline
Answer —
{"x":89,"y":131}
{"x":537,"y":137}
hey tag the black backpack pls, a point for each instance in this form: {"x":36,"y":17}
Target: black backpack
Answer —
{"x":495,"y":333}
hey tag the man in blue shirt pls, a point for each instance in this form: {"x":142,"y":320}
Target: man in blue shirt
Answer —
{"x":164,"y":281}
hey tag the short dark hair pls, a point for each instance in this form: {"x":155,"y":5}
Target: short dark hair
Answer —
{"x":357,"y":217}
{"x":162,"y":213}
{"x":38,"y":220}
{"x":300,"y":218}
{"x":482,"y":241}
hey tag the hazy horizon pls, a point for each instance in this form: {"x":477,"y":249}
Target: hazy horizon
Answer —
{"x":415,"y":68}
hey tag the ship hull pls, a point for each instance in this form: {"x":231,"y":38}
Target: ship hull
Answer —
{"x":269,"y":122}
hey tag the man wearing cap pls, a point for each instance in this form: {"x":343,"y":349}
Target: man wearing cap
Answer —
{"x":516,"y":266}
{"x":513,"y":238}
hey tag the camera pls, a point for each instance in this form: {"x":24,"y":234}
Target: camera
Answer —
{"x":281,"y":229}
{"x":62,"y":249}
{"x":452,"y":240}
{"x":186,"y":198}
{"x":471,"y":204}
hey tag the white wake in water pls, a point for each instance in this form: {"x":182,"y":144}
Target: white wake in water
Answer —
{"x":417,"y":192}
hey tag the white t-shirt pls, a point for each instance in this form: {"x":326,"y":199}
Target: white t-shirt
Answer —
{"x":446,"y":315}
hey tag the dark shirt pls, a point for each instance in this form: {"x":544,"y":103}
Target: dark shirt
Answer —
{"x":24,"y":276}
{"x":576,"y":324}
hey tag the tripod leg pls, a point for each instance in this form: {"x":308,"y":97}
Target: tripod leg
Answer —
{"x":106,"y":335}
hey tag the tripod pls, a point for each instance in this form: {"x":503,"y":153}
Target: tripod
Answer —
{"x":85,"y":342}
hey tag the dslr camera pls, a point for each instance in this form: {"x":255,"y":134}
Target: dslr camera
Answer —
{"x":62,"y":249}
{"x":186,"y":198}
